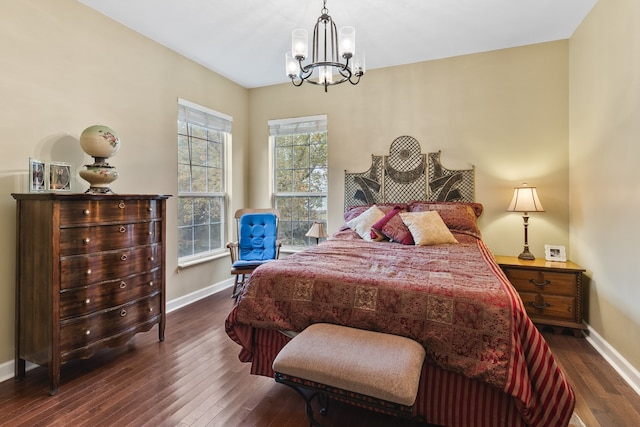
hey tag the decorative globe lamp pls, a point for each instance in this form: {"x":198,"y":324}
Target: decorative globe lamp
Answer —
{"x":101,"y":143}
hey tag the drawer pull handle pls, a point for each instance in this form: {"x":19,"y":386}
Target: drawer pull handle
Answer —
{"x":121,"y":205}
{"x":538,"y":306}
{"x":87,"y":301}
{"x":150,"y":283}
{"x":122,"y":229}
{"x":150,"y":309}
{"x":87,"y":332}
{"x":150,"y":233}
{"x":123,"y":257}
{"x":123,"y":285}
{"x":150,"y":258}
{"x":88,"y":271}
{"x":538,"y":284}
{"x":86,"y":211}
{"x":86,"y":240}
{"x":123,"y":312}
{"x":150,"y":209}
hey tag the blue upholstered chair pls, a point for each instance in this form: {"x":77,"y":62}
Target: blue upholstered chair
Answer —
{"x":257,"y":243}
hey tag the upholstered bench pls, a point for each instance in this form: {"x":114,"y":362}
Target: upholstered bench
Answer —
{"x":377,"y":371}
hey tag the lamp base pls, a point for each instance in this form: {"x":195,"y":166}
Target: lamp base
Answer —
{"x":526,"y":255}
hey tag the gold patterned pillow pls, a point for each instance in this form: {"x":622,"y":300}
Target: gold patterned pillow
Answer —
{"x":427,"y":228}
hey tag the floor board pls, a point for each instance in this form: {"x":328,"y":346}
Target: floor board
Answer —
{"x":194,"y":378}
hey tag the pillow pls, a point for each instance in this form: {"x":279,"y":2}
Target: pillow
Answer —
{"x":427,"y":228}
{"x":460,"y":217}
{"x":363,"y":222}
{"x":354,"y":211}
{"x":393,"y":228}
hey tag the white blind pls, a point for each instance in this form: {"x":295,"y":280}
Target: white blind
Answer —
{"x":203,"y":116}
{"x":298,"y":125}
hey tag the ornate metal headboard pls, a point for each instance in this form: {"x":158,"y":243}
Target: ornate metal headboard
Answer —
{"x":408,"y":174}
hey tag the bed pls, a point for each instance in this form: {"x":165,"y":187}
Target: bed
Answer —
{"x":486,"y":364}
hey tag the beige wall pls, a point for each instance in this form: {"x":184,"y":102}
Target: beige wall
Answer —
{"x":559,"y":115}
{"x":506,"y":112}
{"x":605,"y":177}
{"x":66,"y":67}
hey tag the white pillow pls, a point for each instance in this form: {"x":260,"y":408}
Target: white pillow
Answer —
{"x":363,"y":222}
{"x":427,"y":228}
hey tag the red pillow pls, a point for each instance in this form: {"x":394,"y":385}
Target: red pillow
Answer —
{"x":393,"y":228}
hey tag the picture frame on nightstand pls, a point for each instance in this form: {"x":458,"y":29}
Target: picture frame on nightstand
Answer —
{"x":555,"y":253}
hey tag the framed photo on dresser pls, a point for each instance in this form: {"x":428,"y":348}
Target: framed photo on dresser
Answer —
{"x":59,"y":176}
{"x":37,"y":176}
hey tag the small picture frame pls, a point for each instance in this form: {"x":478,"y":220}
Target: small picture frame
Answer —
{"x":59,"y":176}
{"x":37,"y":176}
{"x":555,"y":253}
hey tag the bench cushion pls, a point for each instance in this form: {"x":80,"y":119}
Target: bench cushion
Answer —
{"x":379,"y":365}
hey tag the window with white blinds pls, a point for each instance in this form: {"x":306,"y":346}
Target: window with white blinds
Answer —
{"x":204,"y":136}
{"x":300,"y":175}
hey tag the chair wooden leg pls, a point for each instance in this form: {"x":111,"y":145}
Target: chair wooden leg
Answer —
{"x":235,"y":291}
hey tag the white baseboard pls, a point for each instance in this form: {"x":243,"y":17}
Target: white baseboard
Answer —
{"x":198,"y":295}
{"x":7,"y":369}
{"x":630,"y":374}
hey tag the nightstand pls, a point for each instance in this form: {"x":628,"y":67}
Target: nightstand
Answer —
{"x":551,"y":291}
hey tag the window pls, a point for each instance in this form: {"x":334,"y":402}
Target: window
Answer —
{"x":203,"y":136}
{"x":300,"y":175}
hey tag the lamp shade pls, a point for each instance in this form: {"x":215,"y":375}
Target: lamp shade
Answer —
{"x":525,"y":199}
{"x":317,"y":231}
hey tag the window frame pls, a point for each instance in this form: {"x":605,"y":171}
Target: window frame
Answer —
{"x":292,"y":127}
{"x":213,"y":121}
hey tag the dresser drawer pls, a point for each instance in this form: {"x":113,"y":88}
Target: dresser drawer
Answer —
{"x":85,"y":240}
{"x":549,"y":306}
{"x":83,"y":331}
{"x":88,"y":299}
{"x":82,"y":270}
{"x":109,"y":210}
{"x":553,"y":282}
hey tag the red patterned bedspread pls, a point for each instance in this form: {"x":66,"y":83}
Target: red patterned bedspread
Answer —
{"x":453,"y":299}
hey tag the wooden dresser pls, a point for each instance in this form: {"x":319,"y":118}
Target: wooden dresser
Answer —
{"x":90,"y":274}
{"x":551,"y":291}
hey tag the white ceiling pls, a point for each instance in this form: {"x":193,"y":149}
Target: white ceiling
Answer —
{"x":246,"y":40}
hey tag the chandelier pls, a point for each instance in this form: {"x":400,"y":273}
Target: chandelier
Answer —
{"x":325,"y":68}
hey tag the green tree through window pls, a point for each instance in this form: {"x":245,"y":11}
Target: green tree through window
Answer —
{"x":300,"y":175}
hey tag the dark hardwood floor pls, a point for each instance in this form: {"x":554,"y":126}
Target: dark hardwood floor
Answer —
{"x":194,"y":378}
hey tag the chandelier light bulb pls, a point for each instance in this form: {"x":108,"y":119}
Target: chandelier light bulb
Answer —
{"x":348,"y":41}
{"x":325,"y":75}
{"x":300,"y":43}
{"x":292,"y":67}
{"x":358,"y":67}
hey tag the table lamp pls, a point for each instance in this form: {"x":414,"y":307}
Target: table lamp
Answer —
{"x":317,"y":231}
{"x":525,"y":199}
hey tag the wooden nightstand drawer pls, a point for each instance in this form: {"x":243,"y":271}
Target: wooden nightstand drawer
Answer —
{"x":549,"y":306}
{"x":542,"y":281}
